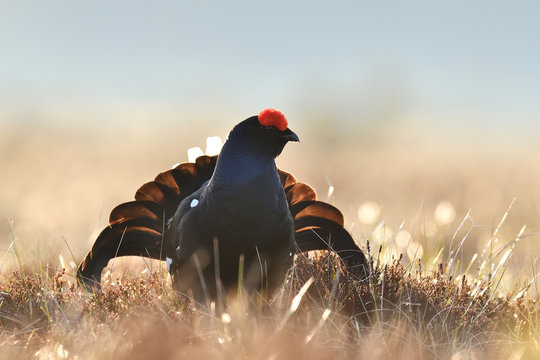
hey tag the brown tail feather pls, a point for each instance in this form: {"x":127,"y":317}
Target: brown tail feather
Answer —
{"x":115,"y":241}
{"x":286,"y":179}
{"x":319,"y":226}
{"x":299,"y":192}
{"x":316,"y":233}
{"x":316,"y":208}
{"x":156,"y":192}
{"x":135,"y":210}
{"x":136,"y":227}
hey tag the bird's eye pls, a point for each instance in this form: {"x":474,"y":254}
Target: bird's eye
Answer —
{"x":271,"y":129}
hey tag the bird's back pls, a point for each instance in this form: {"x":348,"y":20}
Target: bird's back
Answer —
{"x":230,"y":221}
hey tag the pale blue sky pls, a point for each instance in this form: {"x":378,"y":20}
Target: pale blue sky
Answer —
{"x":478,"y":61}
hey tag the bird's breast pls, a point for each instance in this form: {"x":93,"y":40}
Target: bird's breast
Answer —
{"x":257,"y":208}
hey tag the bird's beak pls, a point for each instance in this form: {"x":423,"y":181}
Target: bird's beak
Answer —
{"x":290,"y":136}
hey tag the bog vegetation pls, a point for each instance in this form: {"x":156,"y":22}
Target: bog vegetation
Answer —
{"x":445,"y":282}
{"x":403,"y":311}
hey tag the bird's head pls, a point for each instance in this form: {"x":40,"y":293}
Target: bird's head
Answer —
{"x":267,"y":132}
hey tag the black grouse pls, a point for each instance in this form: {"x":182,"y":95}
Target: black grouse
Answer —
{"x":227,"y":217}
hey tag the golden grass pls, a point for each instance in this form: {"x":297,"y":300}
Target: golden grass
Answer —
{"x":465,"y":287}
{"x":321,"y":312}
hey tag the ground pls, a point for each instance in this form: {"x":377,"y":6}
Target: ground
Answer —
{"x":450,"y":229}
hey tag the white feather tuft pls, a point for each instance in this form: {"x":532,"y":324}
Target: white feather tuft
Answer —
{"x":193,"y":153}
{"x":213,"y":145}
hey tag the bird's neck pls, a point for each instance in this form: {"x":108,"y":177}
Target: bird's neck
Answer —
{"x":241,"y":164}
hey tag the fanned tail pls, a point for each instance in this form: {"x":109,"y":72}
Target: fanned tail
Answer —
{"x":136,"y":227}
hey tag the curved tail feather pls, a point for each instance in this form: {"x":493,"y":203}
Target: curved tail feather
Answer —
{"x":113,"y":242}
{"x":319,"y":225}
{"x":318,"y":233}
{"x":136,"y":227}
{"x":299,"y":192}
{"x":316,"y":208}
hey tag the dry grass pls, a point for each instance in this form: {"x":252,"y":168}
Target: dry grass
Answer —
{"x":464,"y":288}
{"x":321,"y":312}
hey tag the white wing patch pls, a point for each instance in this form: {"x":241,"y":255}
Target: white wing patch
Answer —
{"x":194,"y":203}
{"x":169,"y":262}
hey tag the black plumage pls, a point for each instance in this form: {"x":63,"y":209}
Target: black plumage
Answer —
{"x":218,"y":216}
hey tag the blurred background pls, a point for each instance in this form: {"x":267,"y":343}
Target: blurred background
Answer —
{"x":410,"y":114}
